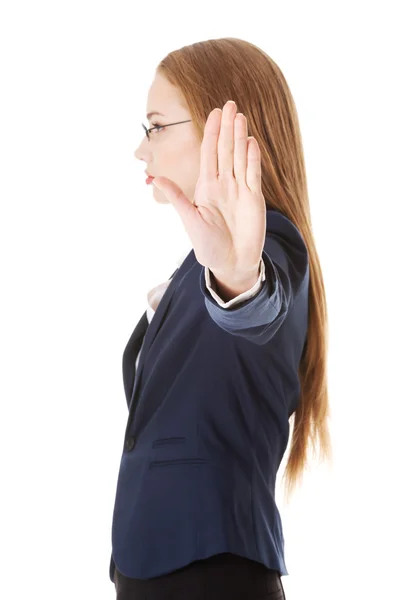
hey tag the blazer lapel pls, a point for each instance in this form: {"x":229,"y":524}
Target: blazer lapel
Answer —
{"x":152,"y":329}
{"x":150,"y":334}
{"x":130,"y":355}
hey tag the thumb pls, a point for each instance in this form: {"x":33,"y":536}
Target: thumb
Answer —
{"x":176,"y":196}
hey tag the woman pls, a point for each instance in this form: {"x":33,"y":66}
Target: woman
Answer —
{"x":231,"y":347}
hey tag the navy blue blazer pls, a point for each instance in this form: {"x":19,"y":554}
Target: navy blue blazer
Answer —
{"x":208,"y":417}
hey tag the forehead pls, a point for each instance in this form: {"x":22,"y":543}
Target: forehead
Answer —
{"x":163,"y":97}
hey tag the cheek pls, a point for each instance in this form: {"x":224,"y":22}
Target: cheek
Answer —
{"x":184,"y":168}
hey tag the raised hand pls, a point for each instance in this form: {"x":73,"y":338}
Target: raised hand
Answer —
{"x":227,"y":221}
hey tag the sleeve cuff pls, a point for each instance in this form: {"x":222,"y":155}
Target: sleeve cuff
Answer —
{"x":241,"y":297}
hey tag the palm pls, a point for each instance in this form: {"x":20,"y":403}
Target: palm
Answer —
{"x":226,"y":231}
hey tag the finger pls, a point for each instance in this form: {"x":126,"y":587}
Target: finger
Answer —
{"x":226,"y":140}
{"x":240,"y":148}
{"x":185,"y":208}
{"x":253,"y":173}
{"x":209,"y":146}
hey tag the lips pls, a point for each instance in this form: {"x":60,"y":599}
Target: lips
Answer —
{"x":149,"y":178}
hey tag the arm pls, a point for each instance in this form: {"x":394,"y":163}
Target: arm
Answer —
{"x":214,"y":288}
{"x":285,"y":259}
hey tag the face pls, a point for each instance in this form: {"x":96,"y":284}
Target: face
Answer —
{"x":173,"y":152}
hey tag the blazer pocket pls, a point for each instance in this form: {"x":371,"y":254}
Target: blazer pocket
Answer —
{"x":179,"y":461}
{"x":170,"y":440}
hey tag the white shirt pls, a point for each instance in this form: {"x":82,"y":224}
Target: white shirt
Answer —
{"x":155,"y":294}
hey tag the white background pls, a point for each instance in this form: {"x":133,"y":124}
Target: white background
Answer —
{"x":82,"y":241}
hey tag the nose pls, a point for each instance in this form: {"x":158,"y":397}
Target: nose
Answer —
{"x":142,"y":152}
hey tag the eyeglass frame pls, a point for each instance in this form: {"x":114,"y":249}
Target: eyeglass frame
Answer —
{"x":161,"y":127}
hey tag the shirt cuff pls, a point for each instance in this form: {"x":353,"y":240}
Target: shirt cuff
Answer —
{"x":241,"y":297}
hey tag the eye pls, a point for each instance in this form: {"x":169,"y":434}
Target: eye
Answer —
{"x":157,"y":127}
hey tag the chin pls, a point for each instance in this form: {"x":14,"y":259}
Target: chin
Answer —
{"x":159,"y":196}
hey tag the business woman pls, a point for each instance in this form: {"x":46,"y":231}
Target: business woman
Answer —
{"x":231,"y":347}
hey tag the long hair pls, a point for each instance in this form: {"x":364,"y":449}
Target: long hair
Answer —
{"x":208,"y":74}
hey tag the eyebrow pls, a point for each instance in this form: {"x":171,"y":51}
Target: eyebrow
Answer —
{"x":150,"y":114}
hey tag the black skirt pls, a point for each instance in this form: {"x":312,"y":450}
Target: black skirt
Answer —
{"x":221,"y":577}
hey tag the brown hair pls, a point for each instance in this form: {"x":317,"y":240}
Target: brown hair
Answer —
{"x":208,"y":74}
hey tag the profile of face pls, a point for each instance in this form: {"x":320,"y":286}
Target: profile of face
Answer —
{"x":172,"y":152}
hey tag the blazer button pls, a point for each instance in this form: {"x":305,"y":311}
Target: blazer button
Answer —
{"x":130,"y":442}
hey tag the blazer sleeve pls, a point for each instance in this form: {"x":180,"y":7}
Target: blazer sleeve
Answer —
{"x":287,"y":275}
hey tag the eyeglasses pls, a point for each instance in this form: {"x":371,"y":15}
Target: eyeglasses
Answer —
{"x":161,"y":127}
